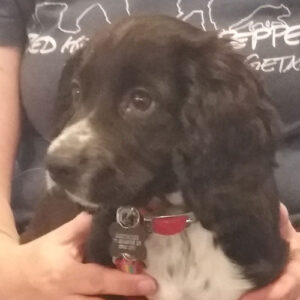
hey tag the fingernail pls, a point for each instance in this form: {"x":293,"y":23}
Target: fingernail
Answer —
{"x":147,"y":287}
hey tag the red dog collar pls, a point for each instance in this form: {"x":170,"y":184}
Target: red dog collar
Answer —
{"x":130,"y":232}
{"x":163,"y":225}
{"x":169,"y":225}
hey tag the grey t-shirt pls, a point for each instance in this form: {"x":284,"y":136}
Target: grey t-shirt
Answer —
{"x":267,"y":32}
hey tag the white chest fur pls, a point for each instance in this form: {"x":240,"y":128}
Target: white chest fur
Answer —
{"x":188,"y":266}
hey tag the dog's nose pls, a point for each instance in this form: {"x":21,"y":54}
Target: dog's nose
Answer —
{"x":61,"y":168}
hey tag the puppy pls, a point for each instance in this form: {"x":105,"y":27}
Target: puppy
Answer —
{"x":155,"y":107}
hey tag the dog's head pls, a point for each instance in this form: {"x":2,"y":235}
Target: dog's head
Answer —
{"x":154,"y":103}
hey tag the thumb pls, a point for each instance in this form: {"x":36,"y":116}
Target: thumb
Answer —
{"x":75,"y":231}
{"x":286,"y":228}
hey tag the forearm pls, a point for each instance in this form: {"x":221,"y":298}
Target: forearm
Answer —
{"x":9,"y":131}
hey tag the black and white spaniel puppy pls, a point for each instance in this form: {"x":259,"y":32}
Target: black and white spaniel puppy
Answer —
{"x":155,"y":107}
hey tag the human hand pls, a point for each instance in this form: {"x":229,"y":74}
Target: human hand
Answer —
{"x":51,"y":268}
{"x":286,"y":287}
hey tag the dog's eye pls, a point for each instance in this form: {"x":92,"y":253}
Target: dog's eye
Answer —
{"x":76,"y":90}
{"x":138,"y":103}
{"x":141,"y":100}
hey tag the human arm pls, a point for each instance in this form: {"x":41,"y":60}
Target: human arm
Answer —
{"x":50,"y":267}
{"x":9,"y":132}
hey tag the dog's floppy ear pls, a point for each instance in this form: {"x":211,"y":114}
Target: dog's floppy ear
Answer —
{"x":225,"y":159}
{"x":227,"y":116}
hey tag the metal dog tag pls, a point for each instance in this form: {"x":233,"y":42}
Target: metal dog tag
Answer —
{"x":128,"y":234}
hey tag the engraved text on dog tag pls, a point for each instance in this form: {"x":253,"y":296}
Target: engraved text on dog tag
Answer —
{"x":128,"y":235}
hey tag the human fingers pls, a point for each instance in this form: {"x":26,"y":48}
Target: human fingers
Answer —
{"x":285,"y":287}
{"x":98,"y":280}
{"x":278,"y":290}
